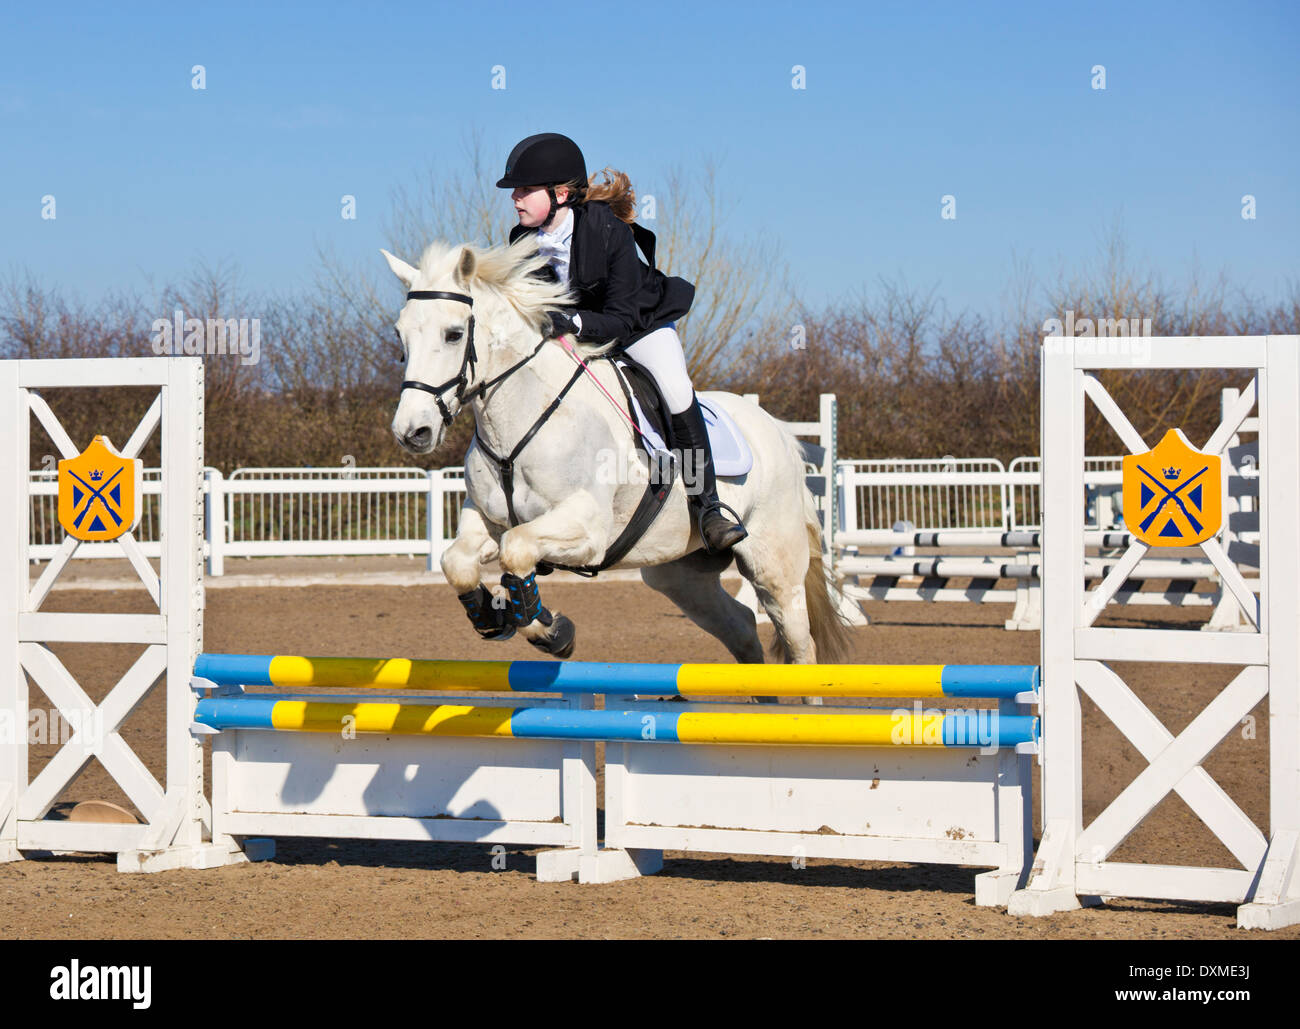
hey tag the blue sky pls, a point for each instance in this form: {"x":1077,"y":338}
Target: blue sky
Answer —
{"x":905,"y":103}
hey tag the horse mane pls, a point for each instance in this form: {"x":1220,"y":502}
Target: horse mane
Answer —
{"x":508,"y":275}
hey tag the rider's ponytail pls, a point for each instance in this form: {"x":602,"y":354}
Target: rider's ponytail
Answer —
{"x":615,"y":190}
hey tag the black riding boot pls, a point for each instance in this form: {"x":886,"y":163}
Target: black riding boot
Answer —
{"x":719,"y":532}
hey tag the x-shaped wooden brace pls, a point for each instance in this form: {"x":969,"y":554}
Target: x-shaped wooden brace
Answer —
{"x":119,"y":760}
{"x":130,"y":548}
{"x":1174,"y":763}
{"x":1232,"y":579}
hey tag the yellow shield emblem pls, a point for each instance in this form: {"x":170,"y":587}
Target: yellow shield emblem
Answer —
{"x":99,"y":493}
{"x":1173,"y":494}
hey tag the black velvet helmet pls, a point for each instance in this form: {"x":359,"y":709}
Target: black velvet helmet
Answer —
{"x":547,"y":159}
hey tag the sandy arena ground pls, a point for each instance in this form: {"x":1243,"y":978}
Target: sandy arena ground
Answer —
{"x":324,"y":889}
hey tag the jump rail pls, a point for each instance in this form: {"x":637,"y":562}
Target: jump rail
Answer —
{"x":618,"y":679}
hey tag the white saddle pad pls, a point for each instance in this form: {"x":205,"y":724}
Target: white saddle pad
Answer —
{"x":731,"y":453}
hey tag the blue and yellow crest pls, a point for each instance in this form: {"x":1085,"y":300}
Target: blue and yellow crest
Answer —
{"x":99,"y":493}
{"x":1173,"y":494}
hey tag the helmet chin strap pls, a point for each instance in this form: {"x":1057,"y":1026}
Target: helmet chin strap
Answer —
{"x":550,"y":212}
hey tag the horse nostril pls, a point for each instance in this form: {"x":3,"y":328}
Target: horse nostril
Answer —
{"x":420,"y":438}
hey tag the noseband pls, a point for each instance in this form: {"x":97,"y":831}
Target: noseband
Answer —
{"x":466,"y":365}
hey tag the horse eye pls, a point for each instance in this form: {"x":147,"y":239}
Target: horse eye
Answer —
{"x":453,"y":335}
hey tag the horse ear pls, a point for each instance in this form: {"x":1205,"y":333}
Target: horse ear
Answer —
{"x":465,"y":266}
{"x":400,"y":268}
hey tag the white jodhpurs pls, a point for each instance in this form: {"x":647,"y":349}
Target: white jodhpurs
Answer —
{"x":661,"y":354}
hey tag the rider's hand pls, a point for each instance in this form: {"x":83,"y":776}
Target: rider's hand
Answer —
{"x":561,"y":325}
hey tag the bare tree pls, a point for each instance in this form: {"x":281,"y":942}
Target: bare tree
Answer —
{"x":744,"y":309}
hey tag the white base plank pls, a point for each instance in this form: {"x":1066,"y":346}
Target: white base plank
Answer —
{"x":1268,"y":916}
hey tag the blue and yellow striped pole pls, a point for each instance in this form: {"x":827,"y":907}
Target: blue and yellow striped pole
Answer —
{"x":616,"y":679}
{"x":872,"y":728}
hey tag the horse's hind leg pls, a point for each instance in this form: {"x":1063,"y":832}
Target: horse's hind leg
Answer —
{"x":778,"y":582}
{"x":694,"y":584}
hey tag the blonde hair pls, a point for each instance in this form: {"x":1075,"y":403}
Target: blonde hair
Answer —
{"x":614,"y":189}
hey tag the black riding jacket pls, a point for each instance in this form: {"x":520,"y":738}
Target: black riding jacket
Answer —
{"x":618,"y":295}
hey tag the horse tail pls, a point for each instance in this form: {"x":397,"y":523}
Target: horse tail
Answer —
{"x":828,"y":627}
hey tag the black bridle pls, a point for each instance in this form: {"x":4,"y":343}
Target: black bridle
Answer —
{"x":466,"y":372}
{"x":466,"y":365}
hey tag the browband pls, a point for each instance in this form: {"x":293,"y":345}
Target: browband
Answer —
{"x":437,"y":294}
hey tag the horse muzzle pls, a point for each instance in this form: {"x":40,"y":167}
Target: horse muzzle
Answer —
{"x":418,"y":441}
{"x":417,"y":431}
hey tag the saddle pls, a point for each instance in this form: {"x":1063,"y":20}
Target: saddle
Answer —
{"x":644,"y":401}
{"x":732,"y":455}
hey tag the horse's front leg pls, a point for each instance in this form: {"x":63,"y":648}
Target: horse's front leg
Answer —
{"x":573,"y":532}
{"x":462,"y":564}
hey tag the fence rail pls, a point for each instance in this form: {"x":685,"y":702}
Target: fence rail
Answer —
{"x":285,"y":512}
{"x":964,"y":494}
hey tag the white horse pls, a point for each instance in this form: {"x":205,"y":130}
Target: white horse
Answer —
{"x":472,"y":332}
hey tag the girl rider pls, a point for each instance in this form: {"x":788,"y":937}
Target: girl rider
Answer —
{"x":586,"y":230}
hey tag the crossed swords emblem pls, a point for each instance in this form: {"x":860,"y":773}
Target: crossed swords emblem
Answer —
{"x":1171,"y":494}
{"x":96,"y":494}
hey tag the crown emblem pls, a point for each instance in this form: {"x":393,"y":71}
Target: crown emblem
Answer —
{"x":1171,"y":473}
{"x":96,"y":475}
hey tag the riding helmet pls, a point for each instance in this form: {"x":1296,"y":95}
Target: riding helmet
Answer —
{"x":545,"y":159}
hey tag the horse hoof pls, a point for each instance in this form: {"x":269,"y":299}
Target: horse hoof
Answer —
{"x":559,"y":641}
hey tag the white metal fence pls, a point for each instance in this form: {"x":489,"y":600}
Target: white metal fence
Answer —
{"x":299,"y":512}
{"x":281,"y":512}
{"x":287,"y":512}
{"x":944,"y":493}
{"x":975,"y":494}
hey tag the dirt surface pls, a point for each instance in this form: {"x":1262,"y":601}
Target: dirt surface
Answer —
{"x":332,"y":889}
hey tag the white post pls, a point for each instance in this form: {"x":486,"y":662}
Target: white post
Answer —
{"x":182,"y":604}
{"x":848,"y":490}
{"x":216,"y":522}
{"x":1061,"y":407}
{"x":1276,"y":899}
{"x":830,"y":444}
{"x":14,"y":506}
{"x":434,"y":528}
